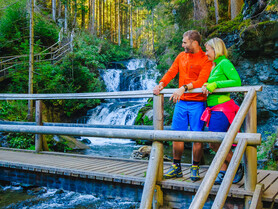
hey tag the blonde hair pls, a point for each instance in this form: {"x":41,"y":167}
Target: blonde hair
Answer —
{"x":218,"y":46}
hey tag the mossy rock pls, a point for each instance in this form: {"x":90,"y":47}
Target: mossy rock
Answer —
{"x":73,"y":143}
{"x":260,"y":39}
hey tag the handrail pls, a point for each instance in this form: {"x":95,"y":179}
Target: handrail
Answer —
{"x":225,"y":186}
{"x":209,"y":179}
{"x":257,"y":197}
{"x":155,"y":169}
{"x":113,"y":95}
{"x":152,"y":135}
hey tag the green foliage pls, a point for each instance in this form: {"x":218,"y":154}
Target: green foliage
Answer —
{"x":14,"y":31}
{"x":141,"y":118}
{"x":266,"y":149}
{"x":21,"y":141}
{"x":58,"y":146}
{"x":13,"y":110}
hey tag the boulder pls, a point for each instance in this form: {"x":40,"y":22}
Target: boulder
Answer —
{"x":143,"y":153}
{"x":73,"y":143}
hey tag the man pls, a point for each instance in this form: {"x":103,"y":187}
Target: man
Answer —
{"x":194,"y":68}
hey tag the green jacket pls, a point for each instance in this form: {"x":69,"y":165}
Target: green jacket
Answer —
{"x":222,"y":75}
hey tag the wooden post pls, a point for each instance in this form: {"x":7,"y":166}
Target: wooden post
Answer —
{"x":158,"y":119}
{"x":250,"y":156}
{"x":155,"y":166}
{"x":38,"y":137}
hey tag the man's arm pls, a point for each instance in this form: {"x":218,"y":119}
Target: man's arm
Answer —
{"x":171,"y":73}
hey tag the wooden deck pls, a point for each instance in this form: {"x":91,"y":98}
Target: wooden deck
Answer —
{"x":122,"y":171}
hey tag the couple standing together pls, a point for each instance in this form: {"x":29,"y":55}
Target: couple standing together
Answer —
{"x":207,"y":70}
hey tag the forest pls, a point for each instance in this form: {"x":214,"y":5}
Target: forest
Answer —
{"x":105,"y":31}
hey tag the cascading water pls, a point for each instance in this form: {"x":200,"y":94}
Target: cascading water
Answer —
{"x":131,"y":75}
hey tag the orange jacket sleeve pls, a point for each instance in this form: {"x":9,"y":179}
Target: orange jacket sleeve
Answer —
{"x":172,"y":72}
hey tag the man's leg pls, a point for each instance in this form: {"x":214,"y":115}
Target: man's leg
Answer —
{"x":197,"y":152}
{"x":180,"y":123}
{"x":178,"y":148}
{"x":196,"y":109}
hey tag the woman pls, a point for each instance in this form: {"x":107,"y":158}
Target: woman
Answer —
{"x":221,"y":108}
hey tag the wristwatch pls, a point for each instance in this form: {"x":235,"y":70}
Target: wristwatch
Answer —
{"x":185,"y":87}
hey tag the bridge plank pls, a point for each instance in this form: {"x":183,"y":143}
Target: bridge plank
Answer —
{"x":123,"y":171}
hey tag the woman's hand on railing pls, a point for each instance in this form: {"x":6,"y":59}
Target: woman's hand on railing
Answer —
{"x":204,"y":89}
{"x":158,"y":88}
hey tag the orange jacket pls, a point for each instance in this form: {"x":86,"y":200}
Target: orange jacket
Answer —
{"x":192,"y":68}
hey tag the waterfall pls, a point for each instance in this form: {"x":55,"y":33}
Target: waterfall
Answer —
{"x":131,"y":75}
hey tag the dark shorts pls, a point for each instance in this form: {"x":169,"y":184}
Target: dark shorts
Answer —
{"x":188,"y":113}
{"x":218,"y":122}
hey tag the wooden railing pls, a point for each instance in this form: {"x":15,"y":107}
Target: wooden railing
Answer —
{"x":53,"y":54}
{"x":152,"y":193}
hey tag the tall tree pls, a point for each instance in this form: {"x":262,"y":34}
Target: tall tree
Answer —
{"x":92,"y":15}
{"x":119,"y":24}
{"x":59,"y":8}
{"x":66,"y":16}
{"x":236,"y":6}
{"x":54,"y":10}
{"x":200,"y":9}
{"x":130,"y":25}
{"x":31,"y":60}
{"x":75,"y":14}
{"x":216,"y":6}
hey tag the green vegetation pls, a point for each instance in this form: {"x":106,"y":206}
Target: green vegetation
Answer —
{"x":266,"y":152}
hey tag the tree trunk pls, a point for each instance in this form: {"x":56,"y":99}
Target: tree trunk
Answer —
{"x":200,"y":9}
{"x":59,"y":8}
{"x":100,"y":17}
{"x":115,"y":19}
{"x":130,"y":26}
{"x":93,"y":18}
{"x":82,"y":13}
{"x":216,"y":6}
{"x":236,"y":6}
{"x":31,"y":61}
{"x":54,"y":10}
{"x":66,"y":16}
{"x":75,"y":14}
{"x":153,"y":29}
{"x":119,"y":24}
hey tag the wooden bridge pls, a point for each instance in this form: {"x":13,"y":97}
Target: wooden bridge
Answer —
{"x":258,"y":186}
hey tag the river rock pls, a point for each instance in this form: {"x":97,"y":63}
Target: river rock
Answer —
{"x":143,"y":153}
{"x":72,"y":142}
{"x":86,"y":141}
{"x":37,"y":191}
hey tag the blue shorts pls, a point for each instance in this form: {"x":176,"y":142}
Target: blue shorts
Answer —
{"x":188,"y":113}
{"x":218,"y":122}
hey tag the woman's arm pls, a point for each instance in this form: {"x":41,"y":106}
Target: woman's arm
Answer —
{"x":230,"y":72}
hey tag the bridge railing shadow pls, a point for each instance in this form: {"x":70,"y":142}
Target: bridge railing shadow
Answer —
{"x":152,"y":194}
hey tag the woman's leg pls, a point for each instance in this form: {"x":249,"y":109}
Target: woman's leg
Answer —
{"x":215,"y":147}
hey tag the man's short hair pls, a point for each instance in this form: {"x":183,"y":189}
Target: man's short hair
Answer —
{"x":218,"y":46}
{"x":193,"y":35}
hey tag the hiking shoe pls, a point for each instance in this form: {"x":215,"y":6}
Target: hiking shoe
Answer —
{"x":194,"y":173}
{"x":173,"y":172}
{"x":239,"y":174}
{"x":219,"y":177}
